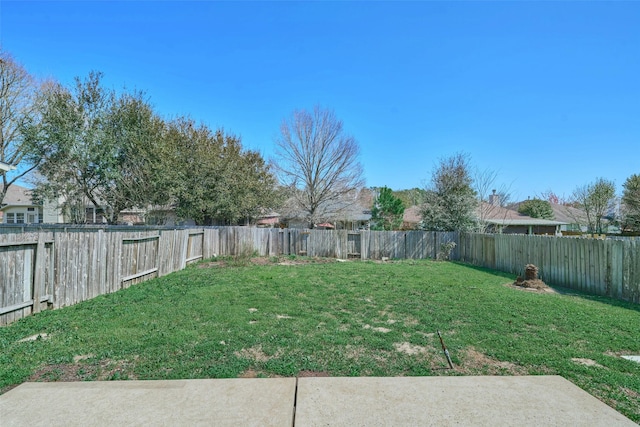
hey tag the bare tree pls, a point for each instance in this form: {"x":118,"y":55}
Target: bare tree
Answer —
{"x":492,"y":198}
{"x":318,"y":161}
{"x":553,"y":198}
{"x":18,"y":105}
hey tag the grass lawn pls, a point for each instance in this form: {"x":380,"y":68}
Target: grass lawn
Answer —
{"x":341,"y":319}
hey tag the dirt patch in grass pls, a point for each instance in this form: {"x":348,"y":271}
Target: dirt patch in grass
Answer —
{"x":60,"y":372}
{"x":252,"y":373}
{"x":105,"y":369}
{"x":586,"y":362}
{"x":40,"y":336}
{"x":249,"y":373}
{"x":281,"y":260}
{"x":474,"y":362}
{"x":410,"y":349}
{"x":115,"y":369}
{"x":428,"y":356}
{"x":532,"y":286}
{"x":255,"y":353}
{"x":82,"y":357}
{"x":377,"y":329}
{"x":312,"y":374}
{"x":283,"y":316}
{"x":355,"y":352}
{"x":411,"y":321}
{"x":211,"y":264}
{"x":631,"y":394}
{"x":285,"y":260}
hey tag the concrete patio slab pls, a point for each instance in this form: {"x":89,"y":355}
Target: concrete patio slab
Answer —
{"x":405,"y":401}
{"x":223,"y":402}
{"x":444,"y":401}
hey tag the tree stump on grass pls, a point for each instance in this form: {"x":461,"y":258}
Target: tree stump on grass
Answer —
{"x":530,"y":272}
{"x":531,"y":280}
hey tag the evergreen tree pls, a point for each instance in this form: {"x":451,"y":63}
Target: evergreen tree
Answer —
{"x":536,"y":208}
{"x":387,"y":211}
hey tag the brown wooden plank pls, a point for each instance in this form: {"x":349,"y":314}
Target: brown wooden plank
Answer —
{"x":38,"y":280}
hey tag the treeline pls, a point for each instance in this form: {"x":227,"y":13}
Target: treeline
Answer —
{"x":95,"y":146}
{"x":92,"y":146}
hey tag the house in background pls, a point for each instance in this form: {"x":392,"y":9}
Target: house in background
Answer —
{"x":575,"y":219}
{"x":352,"y":212}
{"x":411,"y":218}
{"x":498,"y":219}
{"x":269,"y":220}
{"x":6,"y":167}
{"x":19,"y":208}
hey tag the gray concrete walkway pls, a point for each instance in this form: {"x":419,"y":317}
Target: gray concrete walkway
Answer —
{"x":404,"y":401}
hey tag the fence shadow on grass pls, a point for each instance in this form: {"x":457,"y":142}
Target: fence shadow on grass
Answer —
{"x":561,"y":290}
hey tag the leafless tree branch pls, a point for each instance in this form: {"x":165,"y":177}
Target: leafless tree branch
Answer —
{"x":317,"y":161}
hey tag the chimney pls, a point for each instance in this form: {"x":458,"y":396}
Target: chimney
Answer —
{"x":494,"y":199}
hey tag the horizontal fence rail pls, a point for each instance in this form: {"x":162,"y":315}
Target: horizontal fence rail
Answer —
{"x":61,"y":266}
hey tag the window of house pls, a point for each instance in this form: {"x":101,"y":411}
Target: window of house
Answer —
{"x":19,"y":218}
{"x":11,"y":218}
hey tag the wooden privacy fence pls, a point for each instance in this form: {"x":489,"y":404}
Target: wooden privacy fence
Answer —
{"x":61,"y":267}
{"x":608,"y":267}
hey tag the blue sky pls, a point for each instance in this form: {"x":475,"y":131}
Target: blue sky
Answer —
{"x":547,"y":94}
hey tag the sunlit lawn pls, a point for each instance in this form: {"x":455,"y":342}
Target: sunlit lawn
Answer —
{"x":339,"y":319}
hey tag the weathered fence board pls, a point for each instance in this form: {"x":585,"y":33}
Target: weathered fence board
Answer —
{"x":23,"y":288}
{"x":79,"y":264}
{"x":598,"y":267}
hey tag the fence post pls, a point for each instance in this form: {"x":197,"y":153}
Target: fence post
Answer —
{"x":38,"y":280}
{"x":204,"y":237}
{"x":435,"y":245}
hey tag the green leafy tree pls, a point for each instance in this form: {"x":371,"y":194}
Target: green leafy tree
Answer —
{"x":449,"y":200}
{"x":536,"y":208}
{"x":217,"y":181}
{"x":97,"y":148}
{"x":387,"y":211}
{"x":595,"y":199}
{"x":631,"y":204}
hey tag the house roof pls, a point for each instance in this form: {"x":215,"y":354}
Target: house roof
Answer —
{"x":326,"y":225}
{"x":5,"y":167}
{"x":17,"y":196}
{"x":563,"y":213}
{"x":488,"y":212}
{"x":412,"y":215}
{"x":354,"y":206}
{"x":268,"y":221}
{"x":524,"y":221}
{"x":568,"y":213}
{"x":502,"y":216}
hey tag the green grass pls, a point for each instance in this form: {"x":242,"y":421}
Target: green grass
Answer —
{"x":341,"y":319}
